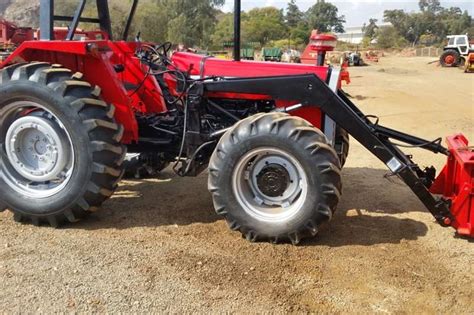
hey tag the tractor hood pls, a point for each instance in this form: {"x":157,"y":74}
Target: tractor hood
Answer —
{"x":208,"y":66}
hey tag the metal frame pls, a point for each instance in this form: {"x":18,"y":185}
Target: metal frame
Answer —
{"x":309,"y":90}
{"x":47,"y":18}
{"x":237,"y":25}
{"x":129,"y":20}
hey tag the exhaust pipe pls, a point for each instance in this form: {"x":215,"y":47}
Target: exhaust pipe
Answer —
{"x":237,"y":12}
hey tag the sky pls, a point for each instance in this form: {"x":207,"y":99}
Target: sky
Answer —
{"x":357,"y":12}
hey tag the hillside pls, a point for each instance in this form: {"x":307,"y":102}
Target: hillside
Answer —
{"x":22,"y":12}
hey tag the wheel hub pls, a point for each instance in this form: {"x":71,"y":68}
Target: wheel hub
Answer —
{"x":273,"y":180}
{"x":270,"y":184}
{"x":449,"y":60}
{"x":35,"y":147}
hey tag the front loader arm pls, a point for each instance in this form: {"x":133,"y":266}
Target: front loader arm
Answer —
{"x":309,"y":90}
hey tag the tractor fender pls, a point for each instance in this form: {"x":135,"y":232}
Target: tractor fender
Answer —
{"x":91,"y":60}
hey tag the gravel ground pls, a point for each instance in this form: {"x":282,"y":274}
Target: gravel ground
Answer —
{"x":158,"y":246}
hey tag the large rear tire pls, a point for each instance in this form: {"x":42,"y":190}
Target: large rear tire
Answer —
{"x":274,"y":177}
{"x":450,"y":58}
{"x":60,"y":151}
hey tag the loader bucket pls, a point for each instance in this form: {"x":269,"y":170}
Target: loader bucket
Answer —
{"x":456,"y":183}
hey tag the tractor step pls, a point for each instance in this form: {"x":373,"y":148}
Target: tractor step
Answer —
{"x":456,"y":183}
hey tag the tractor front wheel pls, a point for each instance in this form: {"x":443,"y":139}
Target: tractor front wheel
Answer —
{"x":450,"y":58}
{"x":60,"y":151}
{"x":274,"y":177}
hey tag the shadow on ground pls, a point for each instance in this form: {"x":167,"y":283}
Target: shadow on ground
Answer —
{"x":365,"y":215}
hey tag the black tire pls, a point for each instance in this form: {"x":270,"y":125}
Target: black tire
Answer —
{"x":94,"y":134}
{"x":447,"y":56}
{"x":342,"y":145}
{"x":302,"y":141}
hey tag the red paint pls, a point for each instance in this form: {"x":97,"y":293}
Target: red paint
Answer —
{"x":241,"y":69}
{"x":322,"y":42}
{"x":204,"y":67}
{"x":317,"y":43}
{"x":449,"y":60}
{"x":456,"y":183}
{"x":60,"y":33}
{"x":10,"y":34}
{"x":97,"y":59}
{"x":98,"y":69}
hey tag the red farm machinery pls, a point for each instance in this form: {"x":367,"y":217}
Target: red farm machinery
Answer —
{"x":12,"y":36}
{"x":273,"y":136}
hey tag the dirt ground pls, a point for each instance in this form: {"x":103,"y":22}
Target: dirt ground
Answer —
{"x":158,"y":246}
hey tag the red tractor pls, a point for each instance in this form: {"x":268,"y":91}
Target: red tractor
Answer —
{"x":273,"y":136}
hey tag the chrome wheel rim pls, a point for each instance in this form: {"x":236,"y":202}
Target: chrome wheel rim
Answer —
{"x":37,"y":156}
{"x":270,"y":184}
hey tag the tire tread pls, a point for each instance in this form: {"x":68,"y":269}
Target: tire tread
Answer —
{"x":312,"y":140}
{"x":100,"y":123}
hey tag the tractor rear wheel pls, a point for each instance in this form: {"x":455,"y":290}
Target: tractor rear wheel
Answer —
{"x":450,"y":58}
{"x":274,"y":177}
{"x":60,"y":151}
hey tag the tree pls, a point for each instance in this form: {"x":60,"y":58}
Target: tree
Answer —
{"x":293,"y":14}
{"x":263,"y":25}
{"x":371,"y":29}
{"x":151,"y":21}
{"x":324,"y":17}
{"x":191,"y":22}
{"x":455,"y":21}
{"x":224,"y":30}
{"x":432,"y":24}
{"x":470,"y":31}
{"x":433,"y":6}
{"x":300,"y":33}
{"x":388,"y":37}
